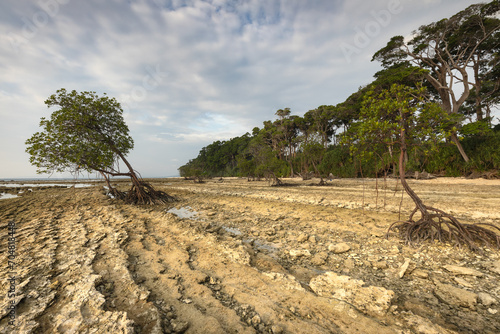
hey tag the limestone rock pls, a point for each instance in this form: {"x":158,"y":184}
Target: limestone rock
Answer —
{"x":495,"y":266}
{"x":455,"y":296}
{"x":403,"y":268}
{"x":299,"y":253}
{"x":462,"y":270}
{"x":313,"y":239}
{"x":380,"y":264}
{"x":424,"y":326}
{"x":463,"y":282}
{"x":237,"y":254}
{"x":349,"y":264}
{"x":319,"y":259}
{"x":276,"y":329}
{"x":286,"y":281}
{"x":256,"y":320}
{"x":339,"y":248}
{"x":486,"y":299}
{"x":179,"y":326}
{"x":372,"y":300}
{"x":84,"y":309}
{"x":266,"y":263}
{"x":302,"y":238}
{"x":420,"y":273}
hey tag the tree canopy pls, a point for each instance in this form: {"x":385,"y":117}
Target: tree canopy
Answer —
{"x":450,"y":50}
{"x":87,"y":133}
{"x":396,"y":118}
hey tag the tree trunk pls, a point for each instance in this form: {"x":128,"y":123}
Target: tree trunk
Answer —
{"x":275,"y":180}
{"x":112,"y":190}
{"x":488,"y":114}
{"x":141,"y":192}
{"x":477,"y":86}
{"x":436,"y":224}
{"x":418,"y":202}
{"x":455,"y":140}
{"x":441,"y":86}
{"x":106,"y":179}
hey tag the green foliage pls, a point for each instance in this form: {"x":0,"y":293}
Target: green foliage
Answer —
{"x":402,"y":73}
{"x":86,"y":133}
{"x":412,"y":95}
{"x":485,"y":156}
{"x":399,"y":116}
{"x":191,"y":170}
{"x":463,"y":50}
{"x":368,"y":147}
{"x":247,"y":166}
{"x":217,"y":159}
{"x":479,"y":128}
{"x":338,"y":161}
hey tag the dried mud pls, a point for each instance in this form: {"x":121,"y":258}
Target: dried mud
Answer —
{"x":243,"y":257}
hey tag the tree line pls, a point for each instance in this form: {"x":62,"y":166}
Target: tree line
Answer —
{"x":454,"y":63}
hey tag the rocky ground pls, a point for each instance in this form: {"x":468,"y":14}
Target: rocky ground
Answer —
{"x":242,"y":257}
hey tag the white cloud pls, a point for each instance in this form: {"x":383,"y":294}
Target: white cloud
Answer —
{"x":188,"y":72}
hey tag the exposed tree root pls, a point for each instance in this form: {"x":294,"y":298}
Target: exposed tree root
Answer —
{"x":276,"y":182}
{"x":195,"y":179}
{"x":144,"y":193}
{"x":198,"y":179}
{"x":306,"y":176}
{"x":141,"y":192}
{"x":435,"y":224}
{"x":117,"y":193}
{"x":322,"y":182}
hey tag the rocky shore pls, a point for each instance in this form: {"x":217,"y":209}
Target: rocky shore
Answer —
{"x":243,"y":257}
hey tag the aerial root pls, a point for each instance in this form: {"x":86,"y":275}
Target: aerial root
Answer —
{"x":438,"y":225}
{"x":117,"y":193}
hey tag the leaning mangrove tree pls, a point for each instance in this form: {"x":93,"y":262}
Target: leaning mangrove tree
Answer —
{"x":88,"y":133}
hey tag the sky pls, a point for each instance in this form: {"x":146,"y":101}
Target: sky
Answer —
{"x":190,"y":72}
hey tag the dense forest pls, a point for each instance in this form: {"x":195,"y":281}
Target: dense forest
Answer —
{"x":453,"y":64}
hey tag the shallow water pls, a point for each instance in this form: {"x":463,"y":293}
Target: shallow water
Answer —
{"x":7,"y":196}
{"x":262,"y":245}
{"x":67,"y":185}
{"x":184,"y":212}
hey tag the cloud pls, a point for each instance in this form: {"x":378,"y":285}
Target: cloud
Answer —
{"x":188,"y":72}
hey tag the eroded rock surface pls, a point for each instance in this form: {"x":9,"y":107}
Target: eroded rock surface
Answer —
{"x":373,"y":300}
{"x":249,"y":258}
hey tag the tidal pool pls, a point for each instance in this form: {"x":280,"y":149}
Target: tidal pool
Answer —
{"x":67,"y":185}
{"x":7,"y":196}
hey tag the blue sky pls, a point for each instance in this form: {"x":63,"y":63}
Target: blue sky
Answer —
{"x":189,"y":72}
